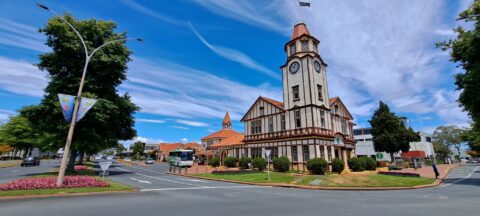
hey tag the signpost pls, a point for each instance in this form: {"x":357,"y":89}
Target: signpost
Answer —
{"x":267,"y":155}
{"x":104,"y":166}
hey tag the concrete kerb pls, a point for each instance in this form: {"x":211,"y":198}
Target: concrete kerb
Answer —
{"x":434,"y":184}
{"x":66,"y":194}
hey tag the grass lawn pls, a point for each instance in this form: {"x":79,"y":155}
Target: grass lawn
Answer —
{"x":258,"y":177}
{"x":334,"y":180}
{"x":10,"y":164}
{"x":114,"y":186}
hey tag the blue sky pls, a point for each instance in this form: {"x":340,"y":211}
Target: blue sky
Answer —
{"x":202,"y":58}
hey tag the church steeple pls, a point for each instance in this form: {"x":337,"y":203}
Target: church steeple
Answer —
{"x":227,"y":123}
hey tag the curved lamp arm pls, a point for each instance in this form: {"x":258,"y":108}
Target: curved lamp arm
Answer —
{"x":113,"y":41}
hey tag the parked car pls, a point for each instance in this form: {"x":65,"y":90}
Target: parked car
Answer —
{"x":30,"y":161}
{"x":149,"y":161}
{"x":109,"y":157}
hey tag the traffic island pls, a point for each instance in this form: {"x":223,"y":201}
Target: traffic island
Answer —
{"x":10,"y":163}
{"x":365,"y":181}
{"x":81,"y":182}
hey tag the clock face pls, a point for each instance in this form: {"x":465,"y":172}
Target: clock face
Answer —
{"x":294,"y":67}
{"x":316,"y":64}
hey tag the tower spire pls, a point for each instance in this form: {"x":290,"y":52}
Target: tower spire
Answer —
{"x":227,"y":123}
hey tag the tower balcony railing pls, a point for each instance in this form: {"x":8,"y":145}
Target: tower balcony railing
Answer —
{"x":310,"y":131}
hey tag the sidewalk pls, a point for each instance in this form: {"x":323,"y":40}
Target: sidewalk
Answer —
{"x":427,"y":171}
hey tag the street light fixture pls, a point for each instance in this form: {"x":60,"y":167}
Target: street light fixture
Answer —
{"x":88,"y":56}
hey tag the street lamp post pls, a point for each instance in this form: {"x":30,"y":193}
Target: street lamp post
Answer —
{"x":88,"y":56}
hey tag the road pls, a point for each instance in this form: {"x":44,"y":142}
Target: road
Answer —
{"x":163,"y":194}
{"x":11,"y":173}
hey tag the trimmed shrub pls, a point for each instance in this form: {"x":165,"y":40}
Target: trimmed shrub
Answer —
{"x":229,"y":162}
{"x":356,"y":164}
{"x":243,"y":162}
{"x":317,"y":166}
{"x":338,"y":165}
{"x":370,"y":163}
{"x":281,"y":164}
{"x":214,"y":162}
{"x":259,"y":163}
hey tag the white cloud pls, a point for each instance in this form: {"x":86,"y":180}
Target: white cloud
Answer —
{"x":140,"y":8}
{"x":146,"y":140}
{"x":236,"y":56}
{"x":21,"y":77}
{"x":20,"y":35}
{"x":191,"y":123}
{"x":5,"y":115}
{"x":376,"y":50}
{"x":157,"y":121}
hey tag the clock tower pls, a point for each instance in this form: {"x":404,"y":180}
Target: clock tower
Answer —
{"x":305,"y":89}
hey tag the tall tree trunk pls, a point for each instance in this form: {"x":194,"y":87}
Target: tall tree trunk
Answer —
{"x":82,"y":155}
{"x":88,"y":157}
{"x":71,"y":161}
{"x":391,"y":158}
{"x":25,"y":151}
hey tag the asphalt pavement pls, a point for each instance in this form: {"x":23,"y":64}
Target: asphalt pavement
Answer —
{"x":11,"y":173}
{"x":176,"y":195}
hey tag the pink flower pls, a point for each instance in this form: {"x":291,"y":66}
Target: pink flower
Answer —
{"x":50,"y":182}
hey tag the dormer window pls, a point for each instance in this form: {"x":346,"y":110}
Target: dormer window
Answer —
{"x":304,"y":45}
{"x":293,"y":49}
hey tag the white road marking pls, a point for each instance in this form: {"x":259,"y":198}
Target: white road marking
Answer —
{"x":194,"y":180}
{"x":468,"y":176}
{"x":162,"y":179}
{"x":141,"y":181}
{"x":15,"y":171}
{"x":201,"y":188}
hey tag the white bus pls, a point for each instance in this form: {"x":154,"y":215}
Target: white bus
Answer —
{"x":181,"y":158}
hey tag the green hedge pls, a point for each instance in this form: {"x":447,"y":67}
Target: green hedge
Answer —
{"x":317,"y":166}
{"x":243,"y":162}
{"x":214,"y":162}
{"x":370,"y":163}
{"x":259,"y":163}
{"x":281,"y":164}
{"x":357,"y":164}
{"x":337,"y":165}
{"x":229,"y":162}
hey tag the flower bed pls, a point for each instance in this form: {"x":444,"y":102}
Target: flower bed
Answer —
{"x":233,"y":171}
{"x":50,"y":183}
{"x":400,"y":174}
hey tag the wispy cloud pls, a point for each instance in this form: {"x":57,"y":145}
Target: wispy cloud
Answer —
{"x":156,"y":121}
{"x":5,"y":115}
{"x":236,"y":56}
{"x":21,"y":77}
{"x":180,"y":127}
{"x":189,"y":93}
{"x":142,"y":9}
{"x":192,"y":123}
{"x":20,"y":35}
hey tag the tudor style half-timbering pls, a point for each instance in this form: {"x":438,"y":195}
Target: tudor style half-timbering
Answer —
{"x":308,"y":124}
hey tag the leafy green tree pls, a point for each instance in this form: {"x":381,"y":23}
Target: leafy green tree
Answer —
{"x":18,"y":133}
{"x":472,"y":138}
{"x":389,"y":133}
{"x":111,"y":118}
{"x":465,"y":50}
{"x":449,"y":136}
{"x":138,"y":148}
{"x":441,"y":150}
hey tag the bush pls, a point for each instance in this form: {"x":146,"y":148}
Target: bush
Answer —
{"x":338,"y":165}
{"x":357,"y":164}
{"x":317,"y":166}
{"x":370,"y":163}
{"x":281,"y":164}
{"x":214,"y":162}
{"x":243,"y":162}
{"x":50,"y":183}
{"x":259,"y":163}
{"x":229,"y":162}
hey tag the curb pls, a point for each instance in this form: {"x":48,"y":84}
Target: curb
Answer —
{"x":2,"y":198}
{"x":434,"y":184}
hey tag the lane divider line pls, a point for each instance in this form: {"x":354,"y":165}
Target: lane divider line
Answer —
{"x":200,"y":188}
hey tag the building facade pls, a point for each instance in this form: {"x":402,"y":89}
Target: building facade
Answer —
{"x":307,"y":124}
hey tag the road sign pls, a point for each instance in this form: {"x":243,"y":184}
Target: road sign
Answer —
{"x":104,"y":166}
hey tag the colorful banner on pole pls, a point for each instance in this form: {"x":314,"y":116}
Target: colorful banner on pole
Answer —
{"x":85,"y":105}
{"x":67,"y":102}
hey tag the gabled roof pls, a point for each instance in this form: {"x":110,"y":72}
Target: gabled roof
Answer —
{"x":275,"y":103}
{"x":236,"y":139}
{"x":331,"y":101}
{"x":192,"y":145}
{"x":224,"y":133}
